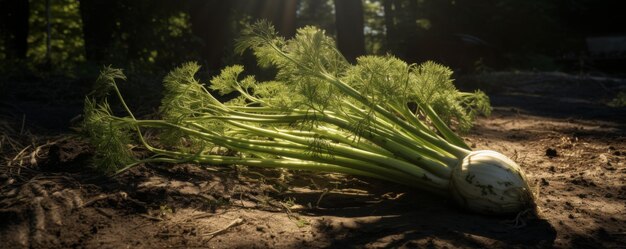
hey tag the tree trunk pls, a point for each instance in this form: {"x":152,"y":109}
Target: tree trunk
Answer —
{"x":16,"y":23}
{"x":98,"y":27}
{"x":281,"y":13}
{"x":349,"y":23}
{"x":48,"y":34}
{"x":209,"y":22}
{"x":390,"y":26}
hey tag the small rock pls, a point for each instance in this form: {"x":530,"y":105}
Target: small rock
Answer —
{"x":9,"y":181}
{"x":544,"y":182}
{"x":617,"y":153}
{"x":552,"y":169}
{"x":189,"y":190}
{"x":603,"y":159}
{"x":608,"y":195}
{"x":550,"y":152}
{"x":570,"y":216}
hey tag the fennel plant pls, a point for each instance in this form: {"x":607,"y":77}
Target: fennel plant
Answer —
{"x":380,"y":118}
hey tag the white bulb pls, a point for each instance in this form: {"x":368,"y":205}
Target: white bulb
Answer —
{"x":489,"y":182}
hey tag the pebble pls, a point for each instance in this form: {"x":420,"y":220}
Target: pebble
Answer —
{"x":550,"y":152}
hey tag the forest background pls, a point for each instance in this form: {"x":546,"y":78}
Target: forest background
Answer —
{"x":55,"y":48}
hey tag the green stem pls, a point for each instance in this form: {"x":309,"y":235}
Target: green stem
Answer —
{"x":360,"y":162}
{"x":349,"y":151}
{"x":130,"y":113}
{"x":420,"y":145}
{"x":452,"y":137}
{"x":295,"y":165}
{"x":332,"y":134}
{"x":403,"y":147}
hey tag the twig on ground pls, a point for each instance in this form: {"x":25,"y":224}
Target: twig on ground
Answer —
{"x":94,"y":200}
{"x":234,"y":223}
{"x":317,"y":204}
{"x":149,"y":217}
{"x":105,"y":213}
{"x":33,"y":155}
{"x":19,"y":154}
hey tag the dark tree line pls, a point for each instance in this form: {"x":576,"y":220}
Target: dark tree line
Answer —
{"x":118,"y":30}
{"x":14,"y":21}
{"x":349,"y":19}
{"x":98,"y":27}
{"x":460,"y":33}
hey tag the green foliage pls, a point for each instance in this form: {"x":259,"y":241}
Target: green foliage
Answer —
{"x":308,"y":52}
{"x":619,"y":100}
{"x":374,"y":26}
{"x":109,"y":138}
{"x":152,"y":34}
{"x":107,"y":134}
{"x":383,"y":80}
{"x":67,"y":43}
{"x":178,"y":24}
{"x":276,"y":94}
{"x":433,"y":86}
{"x":184,"y":98}
{"x":183,"y":94}
{"x":226,"y":82}
{"x":144,"y":34}
{"x":106,"y":81}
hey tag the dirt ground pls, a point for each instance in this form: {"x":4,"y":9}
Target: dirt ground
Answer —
{"x":556,"y":126}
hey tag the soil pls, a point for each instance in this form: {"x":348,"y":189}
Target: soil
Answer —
{"x":558,"y":127}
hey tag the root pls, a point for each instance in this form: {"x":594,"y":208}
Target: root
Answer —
{"x":522,"y":217}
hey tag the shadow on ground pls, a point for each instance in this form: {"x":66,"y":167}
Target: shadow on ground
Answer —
{"x":418,"y":220}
